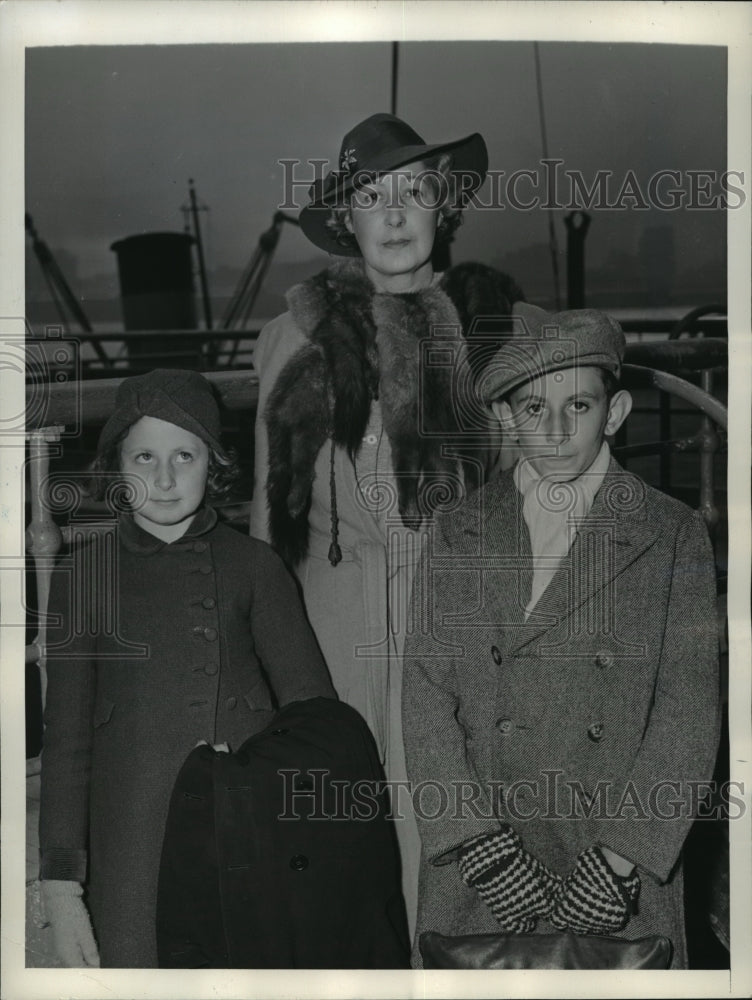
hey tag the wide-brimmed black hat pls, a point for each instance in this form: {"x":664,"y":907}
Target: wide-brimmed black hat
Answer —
{"x":378,"y":145}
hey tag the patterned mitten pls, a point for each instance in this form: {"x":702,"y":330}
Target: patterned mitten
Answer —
{"x":593,"y":899}
{"x":515,"y":886}
{"x":72,"y":936}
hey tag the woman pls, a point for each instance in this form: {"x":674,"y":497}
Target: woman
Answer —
{"x":366,"y":408}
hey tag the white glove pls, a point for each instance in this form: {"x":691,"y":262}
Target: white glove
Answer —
{"x":65,"y":911}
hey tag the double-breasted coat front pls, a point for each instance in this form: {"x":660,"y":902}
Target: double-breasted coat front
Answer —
{"x":188,"y":641}
{"x":593,"y":722}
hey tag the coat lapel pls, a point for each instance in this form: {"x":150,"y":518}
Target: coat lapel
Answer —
{"x":615,"y":533}
{"x":507,"y":556}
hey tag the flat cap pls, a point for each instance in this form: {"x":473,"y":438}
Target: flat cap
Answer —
{"x":544,"y":342}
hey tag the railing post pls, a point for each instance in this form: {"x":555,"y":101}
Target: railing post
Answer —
{"x":708,"y":445}
{"x":43,"y":536}
{"x":664,"y":434}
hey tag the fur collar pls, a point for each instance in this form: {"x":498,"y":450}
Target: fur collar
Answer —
{"x":362,"y":346}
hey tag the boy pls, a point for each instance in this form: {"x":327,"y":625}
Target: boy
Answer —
{"x":560,"y":700}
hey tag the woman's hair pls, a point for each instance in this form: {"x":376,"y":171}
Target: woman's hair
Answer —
{"x":223,"y":473}
{"x":449,"y":204}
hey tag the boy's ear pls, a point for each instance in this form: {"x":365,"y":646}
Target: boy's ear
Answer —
{"x":618,"y":411}
{"x":503,"y":413}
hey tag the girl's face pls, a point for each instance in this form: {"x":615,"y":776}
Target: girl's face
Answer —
{"x":174,"y":465}
{"x":394,"y":221}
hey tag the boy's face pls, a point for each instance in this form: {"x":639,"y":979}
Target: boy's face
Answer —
{"x":560,"y":420}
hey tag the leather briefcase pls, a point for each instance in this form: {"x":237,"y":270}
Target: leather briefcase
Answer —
{"x":543,"y":951}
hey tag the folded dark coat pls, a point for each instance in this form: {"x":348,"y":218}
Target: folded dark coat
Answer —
{"x":281,"y":855}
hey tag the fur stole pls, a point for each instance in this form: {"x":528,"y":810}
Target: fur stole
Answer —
{"x":363,"y":345}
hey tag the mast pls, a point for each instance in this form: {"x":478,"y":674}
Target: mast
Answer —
{"x":200,"y":250}
{"x":395,"y":68}
{"x":553,"y":247}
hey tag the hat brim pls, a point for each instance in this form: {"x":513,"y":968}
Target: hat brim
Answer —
{"x":499,"y":380}
{"x":469,"y":159}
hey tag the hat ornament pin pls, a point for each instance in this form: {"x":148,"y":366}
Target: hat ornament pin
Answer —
{"x":349,"y":161}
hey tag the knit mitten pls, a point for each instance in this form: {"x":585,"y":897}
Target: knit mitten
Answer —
{"x":72,"y":936}
{"x":515,"y":886}
{"x":593,"y":899}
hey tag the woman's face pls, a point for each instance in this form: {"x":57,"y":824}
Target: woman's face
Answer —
{"x":174,"y":465}
{"x":394,"y":221}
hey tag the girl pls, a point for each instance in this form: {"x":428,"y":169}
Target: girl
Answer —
{"x":194,"y":634}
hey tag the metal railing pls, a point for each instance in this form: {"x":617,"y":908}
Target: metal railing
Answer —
{"x":55,"y":409}
{"x":232,"y":349}
{"x":661,"y":365}
{"x":142,"y":350}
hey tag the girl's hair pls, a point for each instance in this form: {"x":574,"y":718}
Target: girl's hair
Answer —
{"x":223,"y":473}
{"x":449,"y":207}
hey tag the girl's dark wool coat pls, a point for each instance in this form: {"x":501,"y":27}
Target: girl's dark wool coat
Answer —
{"x":610,"y":688}
{"x":196,"y":640}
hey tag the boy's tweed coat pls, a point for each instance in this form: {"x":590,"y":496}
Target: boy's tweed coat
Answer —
{"x":216,"y":634}
{"x":611,"y":685}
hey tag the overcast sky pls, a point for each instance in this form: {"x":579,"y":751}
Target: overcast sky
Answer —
{"x":114,"y":133}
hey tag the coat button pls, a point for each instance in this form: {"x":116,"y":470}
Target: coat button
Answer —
{"x":211,"y":669}
{"x":299,"y":862}
{"x":231,"y":702}
{"x":496,"y":655}
{"x":210,"y":634}
{"x":206,"y":570}
{"x":504,"y":726}
{"x":595,"y":732}
{"x":279,"y":732}
{"x":208,"y":603}
{"x":199,"y":547}
{"x":604,"y":659}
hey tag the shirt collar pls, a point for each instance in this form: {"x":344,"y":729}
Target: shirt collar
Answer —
{"x":587,"y":483}
{"x":136,"y":539}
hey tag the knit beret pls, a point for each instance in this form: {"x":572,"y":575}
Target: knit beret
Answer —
{"x":183,"y":398}
{"x":545,"y":342}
